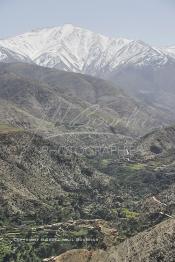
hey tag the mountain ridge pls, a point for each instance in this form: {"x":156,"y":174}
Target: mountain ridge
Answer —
{"x":144,"y":72}
{"x":40,"y":91}
{"x":75,"y":49}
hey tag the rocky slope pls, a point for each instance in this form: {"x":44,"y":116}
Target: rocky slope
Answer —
{"x":38,"y":175}
{"x":159,"y":143}
{"x":55,"y":101}
{"x":43,"y":183}
{"x":156,"y":244}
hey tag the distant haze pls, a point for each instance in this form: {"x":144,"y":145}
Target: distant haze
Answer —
{"x":152,"y":21}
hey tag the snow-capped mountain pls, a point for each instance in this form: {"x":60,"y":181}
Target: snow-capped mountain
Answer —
{"x":170,"y":50}
{"x":145,"y":72}
{"x":79,"y":50}
{"x":7,"y":55}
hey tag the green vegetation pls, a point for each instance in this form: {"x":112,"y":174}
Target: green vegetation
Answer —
{"x":136,"y":166}
{"x":130,"y":214}
{"x":82,"y":232}
{"x":32,"y":244}
{"x":4,"y":128}
{"x":5,"y":249}
{"x":104,"y":163}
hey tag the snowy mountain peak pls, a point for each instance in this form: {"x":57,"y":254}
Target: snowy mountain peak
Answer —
{"x":80,"y":50}
{"x":170,"y":50}
{"x":68,"y":27}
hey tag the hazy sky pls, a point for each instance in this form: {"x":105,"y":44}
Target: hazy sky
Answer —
{"x":152,"y":21}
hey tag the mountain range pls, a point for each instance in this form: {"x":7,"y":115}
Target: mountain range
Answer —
{"x":79,"y":50}
{"x":87,"y":148}
{"x":53,"y":101}
{"x":145,"y":72}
